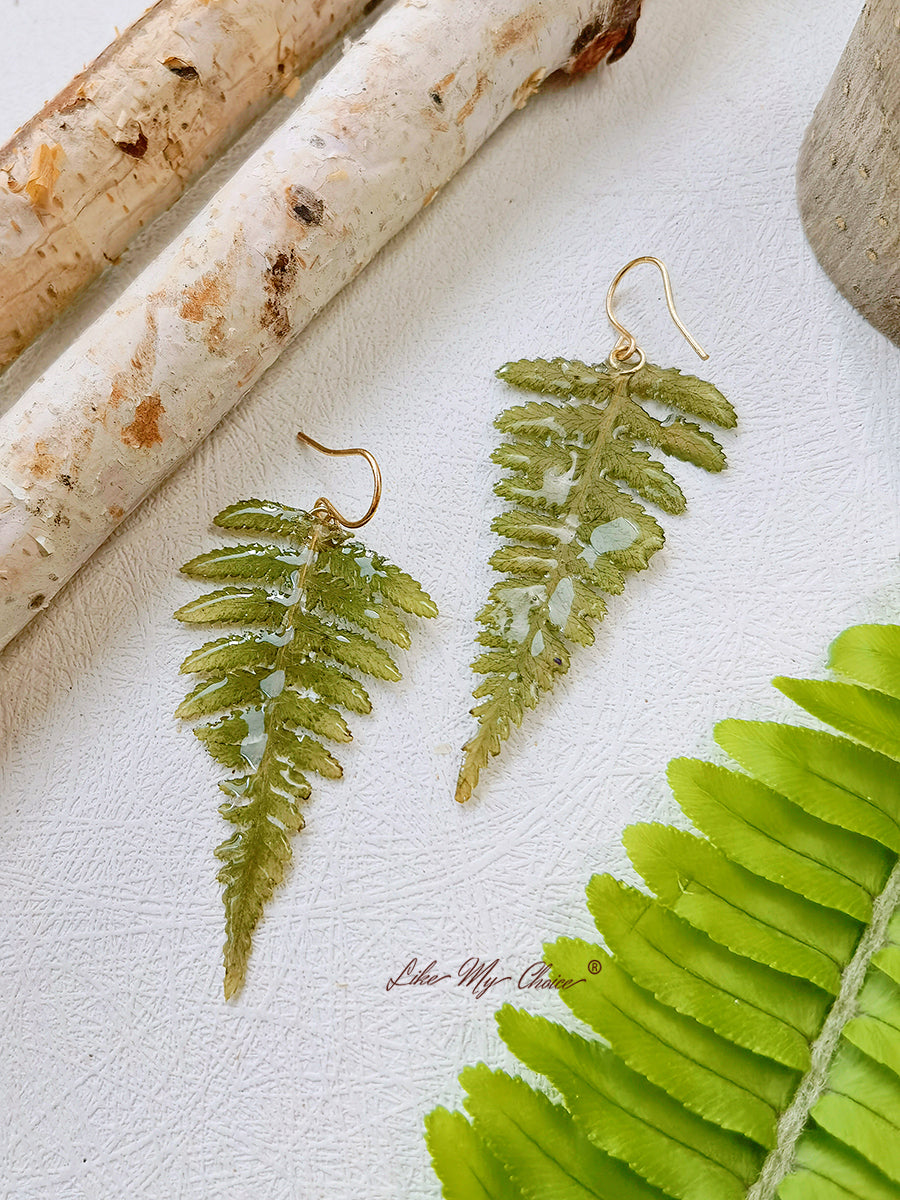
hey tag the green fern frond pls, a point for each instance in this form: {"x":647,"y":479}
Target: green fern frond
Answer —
{"x":747,"y":1005}
{"x":313,"y":598}
{"x":575,"y":527}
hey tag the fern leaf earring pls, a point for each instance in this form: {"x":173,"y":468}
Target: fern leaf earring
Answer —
{"x":575,"y":524}
{"x":307,"y":600}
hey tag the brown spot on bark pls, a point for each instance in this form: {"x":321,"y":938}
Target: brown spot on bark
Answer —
{"x":433,"y":120}
{"x":597,"y":42}
{"x":305,"y":205}
{"x":481,"y":82}
{"x":43,"y":464}
{"x":117,"y":394}
{"x":197,"y":298}
{"x":282,"y":272}
{"x":66,"y":481}
{"x":136,"y":148}
{"x":143,"y":432}
{"x":136,"y":379}
{"x":517,"y":29}
{"x":627,"y":41}
{"x":116,"y":512}
{"x":280,"y":279}
{"x":182,"y":69}
{"x":37,"y":601}
{"x":215,"y":336}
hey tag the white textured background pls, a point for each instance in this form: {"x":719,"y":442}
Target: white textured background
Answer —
{"x":122,"y":1071}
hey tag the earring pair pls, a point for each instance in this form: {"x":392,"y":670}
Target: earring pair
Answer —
{"x":312,"y":600}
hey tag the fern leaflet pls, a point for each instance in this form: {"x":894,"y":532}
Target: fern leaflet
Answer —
{"x":575,"y":525}
{"x":311,"y":599}
{"x":749,"y":1008}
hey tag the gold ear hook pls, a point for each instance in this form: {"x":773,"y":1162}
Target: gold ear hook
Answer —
{"x":626,"y":347}
{"x":323,"y":504}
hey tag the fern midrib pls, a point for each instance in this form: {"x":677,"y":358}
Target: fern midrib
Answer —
{"x":805,"y":855}
{"x":542,"y":1148}
{"x":868,"y":1108}
{"x":652,"y":1033}
{"x":879,"y":812}
{"x":666,"y":1134}
{"x":795,"y":1118}
{"x":604,"y":429}
{"x":271,"y":706}
{"x":767,"y":925}
{"x":740,"y":1000}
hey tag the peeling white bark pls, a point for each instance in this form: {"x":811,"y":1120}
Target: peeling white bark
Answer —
{"x":118,"y":145}
{"x":371,"y":146}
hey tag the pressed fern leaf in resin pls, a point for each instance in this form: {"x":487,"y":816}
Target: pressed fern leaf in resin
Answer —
{"x":309,"y":599}
{"x":748,"y":1005}
{"x":576,"y":525}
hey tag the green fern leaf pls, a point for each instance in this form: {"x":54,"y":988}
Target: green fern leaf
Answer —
{"x":315,"y":597}
{"x":465,"y":1164}
{"x":510,"y":1118}
{"x":573,"y":530}
{"x":748,"y":1010}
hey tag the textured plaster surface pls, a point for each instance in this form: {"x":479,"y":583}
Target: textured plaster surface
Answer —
{"x":122,"y":1071}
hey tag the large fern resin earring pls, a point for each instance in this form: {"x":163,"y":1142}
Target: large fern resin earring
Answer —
{"x":575,"y":524}
{"x":307,"y":600}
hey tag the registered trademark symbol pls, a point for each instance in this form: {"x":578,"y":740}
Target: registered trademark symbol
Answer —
{"x":595,"y":966}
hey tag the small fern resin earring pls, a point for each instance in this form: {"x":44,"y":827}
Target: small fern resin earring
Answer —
{"x":575,"y":525}
{"x":311,"y":596}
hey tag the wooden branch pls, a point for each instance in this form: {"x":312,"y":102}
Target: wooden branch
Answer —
{"x":848,"y":177}
{"x":370,"y":147}
{"x":119,"y":144}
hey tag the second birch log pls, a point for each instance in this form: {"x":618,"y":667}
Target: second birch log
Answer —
{"x":370,"y":147}
{"x":119,"y":144}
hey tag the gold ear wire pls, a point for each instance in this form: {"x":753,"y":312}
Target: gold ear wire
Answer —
{"x":325,"y":505}
{"x":626,"y":347}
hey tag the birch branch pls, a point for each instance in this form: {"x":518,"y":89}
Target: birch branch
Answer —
{"x":370,"y":147}
{"x":119,"y":144}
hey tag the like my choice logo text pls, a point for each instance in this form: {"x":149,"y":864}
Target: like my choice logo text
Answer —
{"x":480,"y":976}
